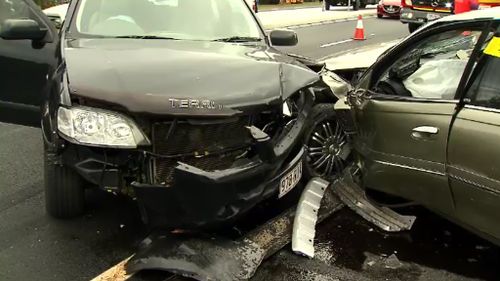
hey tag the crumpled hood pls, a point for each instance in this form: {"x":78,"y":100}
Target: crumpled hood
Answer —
{"x":158,"y":76}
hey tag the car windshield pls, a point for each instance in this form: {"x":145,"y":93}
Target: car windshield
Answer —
{"x":224,"y":20}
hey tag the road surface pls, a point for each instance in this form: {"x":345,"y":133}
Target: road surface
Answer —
{"x":36,"y":247}
{"x":322,"y":41}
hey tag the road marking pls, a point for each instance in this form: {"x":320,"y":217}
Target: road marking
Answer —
{"x":341,"y":42}
{"x":335,"y":43}
{"x":115,"y":273}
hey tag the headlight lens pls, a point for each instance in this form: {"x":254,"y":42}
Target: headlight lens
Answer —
{"x":408,"y":3}
{"x":96,"y":127}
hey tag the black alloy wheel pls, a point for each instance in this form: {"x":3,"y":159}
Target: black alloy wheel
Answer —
{"x":326,"y":144}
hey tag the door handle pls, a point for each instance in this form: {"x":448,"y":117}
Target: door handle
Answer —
{"x":424,"y":132}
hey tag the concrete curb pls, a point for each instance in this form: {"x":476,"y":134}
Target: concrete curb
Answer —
{"x":320,"y":22}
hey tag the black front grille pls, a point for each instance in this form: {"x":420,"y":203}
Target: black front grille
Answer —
{"x":209,"y":146}
{"x":391,"y":9}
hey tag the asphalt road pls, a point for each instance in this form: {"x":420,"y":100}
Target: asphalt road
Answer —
{"x":321,"y":41}
{"x":36,"y":247}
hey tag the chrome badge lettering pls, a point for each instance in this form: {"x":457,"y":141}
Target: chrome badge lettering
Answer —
{"x":195,"y":104}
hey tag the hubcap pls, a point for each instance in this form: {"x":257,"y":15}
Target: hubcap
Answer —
{"x":325,"y":148}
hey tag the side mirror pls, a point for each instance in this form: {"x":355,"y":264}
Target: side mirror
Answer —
{"x":283,"y":37}
{"x":19,"y":29}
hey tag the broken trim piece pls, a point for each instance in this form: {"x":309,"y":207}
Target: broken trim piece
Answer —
{"x":306,"y":216}
{"x":355,"y":198}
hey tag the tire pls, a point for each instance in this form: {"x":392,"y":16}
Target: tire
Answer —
{"x":362,"y":5}
{"x":413,"y":26}
{"x":380,"y":16}
{"x":327,"y":5}
{"x":64,"y":190}
{"x":324,"y":114}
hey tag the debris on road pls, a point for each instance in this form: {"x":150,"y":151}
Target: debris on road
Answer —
{"x":392,"y":262}
{"x":216,"y":257}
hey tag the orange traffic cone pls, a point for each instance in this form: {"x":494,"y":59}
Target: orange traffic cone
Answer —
{"x":359,"y":33}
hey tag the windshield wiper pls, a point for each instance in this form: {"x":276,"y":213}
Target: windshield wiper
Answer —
{"x":237,"y":39}
{"x":145,"y":37}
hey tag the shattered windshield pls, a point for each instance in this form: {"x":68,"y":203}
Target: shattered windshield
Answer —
{"x":221,"y":20}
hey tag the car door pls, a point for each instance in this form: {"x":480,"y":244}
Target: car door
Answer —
{"x":474,"y":148}
{"x":403,"y":108}
{"x":26,"y":64}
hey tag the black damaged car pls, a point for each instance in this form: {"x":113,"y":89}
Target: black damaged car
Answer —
{"x":183,"y":105}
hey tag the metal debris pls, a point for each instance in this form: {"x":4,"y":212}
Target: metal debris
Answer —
{"x":355,"y":198}
{"x":306,"y":216}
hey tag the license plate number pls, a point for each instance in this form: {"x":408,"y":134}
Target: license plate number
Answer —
{"x":290,"y":180}
{"x":433,"y":17}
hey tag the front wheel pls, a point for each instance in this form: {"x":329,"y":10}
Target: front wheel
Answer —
{"x":326,"y":144}
{"x":64,"y":190}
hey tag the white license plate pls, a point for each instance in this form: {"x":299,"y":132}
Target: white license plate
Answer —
{"x":433,"y":17}
{"x":290,"y":180}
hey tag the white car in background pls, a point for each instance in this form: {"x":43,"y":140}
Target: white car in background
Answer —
{"x":57,"y":14}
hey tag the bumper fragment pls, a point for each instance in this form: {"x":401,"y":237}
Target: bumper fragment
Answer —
{"x":355,"y":198}
{"x":306,"y":217}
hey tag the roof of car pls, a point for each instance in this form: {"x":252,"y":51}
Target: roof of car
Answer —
{"x":493,"y":13}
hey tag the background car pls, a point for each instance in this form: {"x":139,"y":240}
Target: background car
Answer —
{"x":57,"y":14}
{"x":389,"y":8}
{"x":356,"y":4}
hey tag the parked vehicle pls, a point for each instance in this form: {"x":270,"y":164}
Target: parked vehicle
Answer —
{"x":424,"y":121}
{"x":356,"y":4}
{"x":57,"y":14}
{"x":389,"y":8}
{"x":185,"y":106}
{"x":415,"y":13}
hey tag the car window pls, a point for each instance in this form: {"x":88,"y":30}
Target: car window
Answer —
{"x":178,"y":19}
{"x":485,"y":90}
{"x":433,"y":68}
{"x":15,"y":9}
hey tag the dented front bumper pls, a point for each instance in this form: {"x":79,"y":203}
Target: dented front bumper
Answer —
{"x":197,"y":198}
{"x":202,"y":199}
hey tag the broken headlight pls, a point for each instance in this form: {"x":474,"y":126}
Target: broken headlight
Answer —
{"x":97,"y":127}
